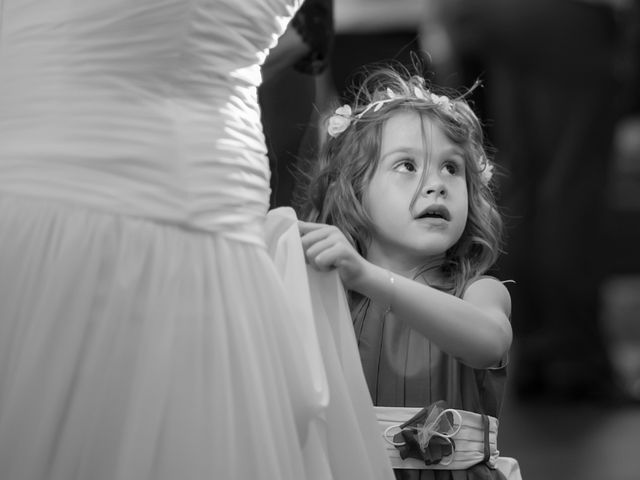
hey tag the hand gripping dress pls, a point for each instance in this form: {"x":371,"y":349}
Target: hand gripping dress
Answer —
{"x":145,"y":331}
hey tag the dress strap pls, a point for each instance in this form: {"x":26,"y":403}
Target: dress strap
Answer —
{"x":487,"y":445}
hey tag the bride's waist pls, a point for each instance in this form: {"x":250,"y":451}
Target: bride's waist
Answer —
{"x":220,"y":198}
{"x":188,"y":161}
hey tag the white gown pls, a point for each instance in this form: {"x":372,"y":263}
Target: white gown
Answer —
{"x":145,"y":331}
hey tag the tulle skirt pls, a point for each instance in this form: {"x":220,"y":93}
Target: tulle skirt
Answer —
{"x":133,"y":350}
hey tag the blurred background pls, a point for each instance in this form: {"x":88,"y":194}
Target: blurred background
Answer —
{"x":560,"y":98}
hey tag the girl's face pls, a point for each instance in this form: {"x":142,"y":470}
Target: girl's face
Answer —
{"x":417,"y":197}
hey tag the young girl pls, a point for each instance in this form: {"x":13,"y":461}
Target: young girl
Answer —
{"x":402,"y":207}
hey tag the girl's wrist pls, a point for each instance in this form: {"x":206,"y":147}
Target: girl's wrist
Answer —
{"x":378,"y":284}
{"x":361,"y":281}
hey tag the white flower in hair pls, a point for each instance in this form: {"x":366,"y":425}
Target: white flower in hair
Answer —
{"x":440,"y":100}
{"x":487,"y":171}
{"x":339,"y":121}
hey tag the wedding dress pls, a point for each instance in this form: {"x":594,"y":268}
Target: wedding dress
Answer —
{"x":145,"y":329}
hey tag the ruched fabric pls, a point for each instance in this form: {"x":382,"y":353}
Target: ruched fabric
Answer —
{"x":145,"y":108}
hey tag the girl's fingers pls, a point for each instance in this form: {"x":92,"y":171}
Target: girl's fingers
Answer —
{"x":328,"y":258}
{"x":316,"y":233}
{"x":322,"y":239}
{"x":313,"y":237}
{"x":329,"y":254}
{"x":324,"y":245}
{"x":317,"y":248}
{"x":324,"y":258}
{"x":306,"y":227}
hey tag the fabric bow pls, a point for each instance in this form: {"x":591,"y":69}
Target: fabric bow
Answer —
{"x":428,"y":435}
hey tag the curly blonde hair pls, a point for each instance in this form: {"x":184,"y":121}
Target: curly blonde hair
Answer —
{"x":348,"y":160}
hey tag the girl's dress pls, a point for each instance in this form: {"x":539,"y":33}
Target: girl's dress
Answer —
{"x":404,"y":369}
{"x":145,"y":331}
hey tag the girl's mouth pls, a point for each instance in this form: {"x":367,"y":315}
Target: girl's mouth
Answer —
{"x":434,"y":211}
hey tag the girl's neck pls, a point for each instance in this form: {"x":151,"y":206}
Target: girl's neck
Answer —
{"x":428,"y":269}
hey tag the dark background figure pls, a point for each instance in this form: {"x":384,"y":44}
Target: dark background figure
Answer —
{"x":557,"y":75}
{"x":374,"y":32}
{"x":288,"y":94}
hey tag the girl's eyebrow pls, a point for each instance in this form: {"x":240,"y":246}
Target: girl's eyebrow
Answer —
{"x":408,"y":150}
{"x":452,"y":150}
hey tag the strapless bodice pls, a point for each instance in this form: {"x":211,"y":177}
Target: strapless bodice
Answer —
{"x":139,"y":107}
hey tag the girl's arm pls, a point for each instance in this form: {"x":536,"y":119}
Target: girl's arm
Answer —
{"x":474,"y":329}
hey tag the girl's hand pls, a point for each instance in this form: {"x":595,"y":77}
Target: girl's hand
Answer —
{"x":326,"y":248}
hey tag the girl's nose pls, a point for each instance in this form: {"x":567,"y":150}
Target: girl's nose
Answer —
{"x":434,"y":187}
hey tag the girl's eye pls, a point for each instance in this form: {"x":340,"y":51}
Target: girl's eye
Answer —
{"x":406,"y":166}
{"x":451,"y":168}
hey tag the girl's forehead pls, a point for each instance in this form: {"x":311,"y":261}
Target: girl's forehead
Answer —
{"x":408,"y":127}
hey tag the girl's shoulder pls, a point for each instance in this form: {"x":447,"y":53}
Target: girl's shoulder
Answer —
{"x":488,"y":279}
{"x":486,"y":289}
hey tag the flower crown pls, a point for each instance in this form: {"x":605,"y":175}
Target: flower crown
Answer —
{"x":343,"y":117}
